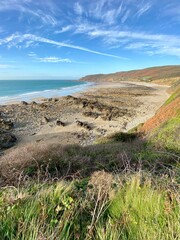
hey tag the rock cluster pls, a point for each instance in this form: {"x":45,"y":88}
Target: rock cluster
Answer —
{"x":7,"y":139}
{"x":97,"y":109}
{"x":84,"y":125}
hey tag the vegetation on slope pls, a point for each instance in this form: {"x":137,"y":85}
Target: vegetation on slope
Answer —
{"x":102,"y":207}
{"x":64,"y":192}
{"x":44,"y":162}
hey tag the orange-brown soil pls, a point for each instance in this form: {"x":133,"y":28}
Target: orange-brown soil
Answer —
{"x":165,"y":113}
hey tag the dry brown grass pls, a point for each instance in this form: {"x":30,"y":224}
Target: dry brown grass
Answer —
{"x":50,"y":161}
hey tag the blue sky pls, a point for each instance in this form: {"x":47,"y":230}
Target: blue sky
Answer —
{"x":67,"y":39}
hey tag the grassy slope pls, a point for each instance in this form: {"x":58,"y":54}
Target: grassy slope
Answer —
{"x":64,"y":192}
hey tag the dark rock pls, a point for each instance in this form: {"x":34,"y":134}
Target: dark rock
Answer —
{"x":34,"y":103}
{"x":24,"y":103}
{"x":91,"y":114}
{"x":7,"y":140}
{"x":88,"y":127}
{"x":32,"y":134}
{"x":79,"y":123}
{"x":84,"y":124}
{"x":55,"y":99}
{"x":60,"y":123}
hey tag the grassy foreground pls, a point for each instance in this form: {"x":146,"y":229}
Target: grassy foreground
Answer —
{"x":103,"y":206}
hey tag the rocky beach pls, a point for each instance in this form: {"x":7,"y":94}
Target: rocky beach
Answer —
{"x":82,"y":118}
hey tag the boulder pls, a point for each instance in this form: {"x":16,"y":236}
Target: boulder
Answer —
{"x":7,"y":140}
{"x":84,"y":125}
{"x":60,"y":123}
{"x":24,"y":103}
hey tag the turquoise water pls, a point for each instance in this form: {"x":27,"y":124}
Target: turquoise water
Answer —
{"x":26,"y":90}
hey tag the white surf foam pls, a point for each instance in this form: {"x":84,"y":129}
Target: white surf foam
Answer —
{"x":64,"y":91}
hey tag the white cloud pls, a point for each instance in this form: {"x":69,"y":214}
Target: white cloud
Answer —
{"x":112,"y":12}
{"x":114,"y":38}
{"x":32,"y":54}
{"x":51,"y":59}
{"x":29,"y":7}
{"x":17,"y":40}
{"x":171,"y":11}
{"x":54,"y":60}
{"x":65,"y":29}
{"x":143,"y":9}
{"x":125,"y":16}
{"x":137,"y":45}
{"x":102,"y":19}
{"x":154,"y":48}
{"x":78,"y":8}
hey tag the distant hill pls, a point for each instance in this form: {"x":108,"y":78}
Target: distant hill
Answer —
{"x":161,"y":74}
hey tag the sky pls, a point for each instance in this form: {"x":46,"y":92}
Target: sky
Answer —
{"x":68,"y":39}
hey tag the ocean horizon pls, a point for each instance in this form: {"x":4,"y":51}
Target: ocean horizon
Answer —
{"x":27,"y":90}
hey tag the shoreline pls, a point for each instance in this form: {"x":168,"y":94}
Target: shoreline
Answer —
{"x":85,"y":116}
{"x":44,"y":94}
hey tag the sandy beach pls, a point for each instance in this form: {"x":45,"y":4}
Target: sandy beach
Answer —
{"x":101,"y":110}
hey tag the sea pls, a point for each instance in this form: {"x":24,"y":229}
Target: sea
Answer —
{"x":28,"y":90}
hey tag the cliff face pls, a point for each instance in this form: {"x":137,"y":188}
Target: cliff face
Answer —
{"x":164,"y":128}
{"x":147,"y":75}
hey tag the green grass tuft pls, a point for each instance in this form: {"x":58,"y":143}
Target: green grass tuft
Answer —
{"x":103,"y":207}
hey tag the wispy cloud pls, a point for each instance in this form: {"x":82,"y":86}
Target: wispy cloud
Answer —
{"x":111,"y":22}
{"x":51,"y":59}
{"x":54,"y":60}
{"x":112,"y":11}
{"x":64,"y":29}
{"x":157,"y":43}
{"x":18,"y":39}
{"x":32,"y":54}
{"x":30,"y":7}
{"x":143,"y":9}
{"x":78,"y":8}
{"x":156,"y":47}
